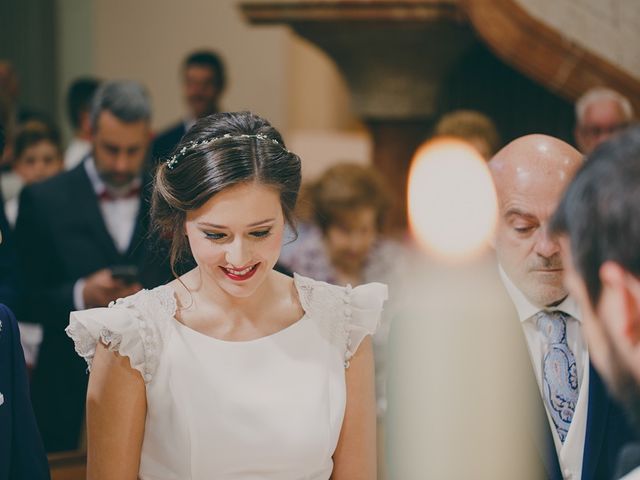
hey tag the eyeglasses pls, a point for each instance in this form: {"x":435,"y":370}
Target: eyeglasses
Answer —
{"x":594,"y":131}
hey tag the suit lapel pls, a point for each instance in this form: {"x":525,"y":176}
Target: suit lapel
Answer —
{"x":140,"y":229}
{"x":86,"y":201}
{"x":597,"y":414}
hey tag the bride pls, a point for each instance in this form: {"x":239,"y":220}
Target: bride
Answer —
{"x":233,"y":370}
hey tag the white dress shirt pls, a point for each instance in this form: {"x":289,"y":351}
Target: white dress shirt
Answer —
{"x":570,"y":453}
{"x":632,"y":475}
{"x":119,"y":215}
{"x":10,"y":185}
{"x":11,"y":211}
{"x":30,"y":339}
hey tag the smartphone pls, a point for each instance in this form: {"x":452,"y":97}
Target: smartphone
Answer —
{"x":127,"y":274}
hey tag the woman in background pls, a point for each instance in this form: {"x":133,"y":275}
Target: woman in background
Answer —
{"x":348,"y":204}
{"x":473,"y":127}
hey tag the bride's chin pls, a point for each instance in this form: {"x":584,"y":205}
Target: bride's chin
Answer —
{"x":242,"y":289}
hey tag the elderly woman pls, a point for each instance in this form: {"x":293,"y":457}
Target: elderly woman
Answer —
{"x":348,"y":205}
{"x":345,"y":245}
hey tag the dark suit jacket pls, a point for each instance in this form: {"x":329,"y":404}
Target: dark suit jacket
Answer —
{"x":9,"y":278}
{"x":61,"y":237}
{"x":607,"y":432}
{"x":166,"y":141}
{"x":22,"y":454}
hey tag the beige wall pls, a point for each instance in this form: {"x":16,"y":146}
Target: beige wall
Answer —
{"x":271,"y":71}
{"x":147,"y":39}
{"x":322,"y":129}
{"x":75,"y":47}
{"x":319,"y":95}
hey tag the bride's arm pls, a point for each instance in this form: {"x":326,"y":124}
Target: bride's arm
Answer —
{"x":116,"y":410}
{"x":355,"y":455}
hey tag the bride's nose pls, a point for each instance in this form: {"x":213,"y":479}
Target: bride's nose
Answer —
{"x":238,"y":253}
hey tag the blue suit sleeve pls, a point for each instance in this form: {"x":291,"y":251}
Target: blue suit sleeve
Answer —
{"x":24,"y":453}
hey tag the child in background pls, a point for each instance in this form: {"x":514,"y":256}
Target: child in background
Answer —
{"x":38,"y":156}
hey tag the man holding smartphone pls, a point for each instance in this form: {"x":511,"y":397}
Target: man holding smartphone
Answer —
{"x":82,"y":239}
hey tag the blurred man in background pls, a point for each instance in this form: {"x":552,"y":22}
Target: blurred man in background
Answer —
{"x":600,"y":114}
{"x":79,"y":98}
{"x":82,"y":239}
{"x":203,"y":81}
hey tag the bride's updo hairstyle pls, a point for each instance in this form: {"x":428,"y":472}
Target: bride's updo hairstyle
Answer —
{"x":218,"y":152}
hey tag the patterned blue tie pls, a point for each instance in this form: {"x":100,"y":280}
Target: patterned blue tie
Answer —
{"x":559,"y":372}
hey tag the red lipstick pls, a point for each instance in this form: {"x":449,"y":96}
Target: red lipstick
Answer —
{"x":241,"y":274}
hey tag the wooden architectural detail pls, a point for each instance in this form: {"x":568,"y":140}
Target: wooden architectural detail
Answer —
{"x":543,"y":53}
{"x":352,"y":10}
{"x":396,"y":55}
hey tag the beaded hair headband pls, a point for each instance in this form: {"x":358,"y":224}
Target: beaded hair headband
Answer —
{"x":175,"y":159}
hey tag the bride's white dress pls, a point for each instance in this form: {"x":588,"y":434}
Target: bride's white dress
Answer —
{"x":269,"y":408}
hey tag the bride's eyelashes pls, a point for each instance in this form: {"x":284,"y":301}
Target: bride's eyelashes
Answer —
{"x":214,"y":236}
{"x":217,"y":236}
{"x":261,"y":233}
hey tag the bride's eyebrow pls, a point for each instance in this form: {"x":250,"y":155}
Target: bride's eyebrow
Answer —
{"x":254,"y":224}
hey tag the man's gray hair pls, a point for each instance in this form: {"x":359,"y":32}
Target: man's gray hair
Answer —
{"x":596,"y":94}
{"x":127,"y":100}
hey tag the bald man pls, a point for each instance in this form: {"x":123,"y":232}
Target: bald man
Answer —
{"x":585,"y":430}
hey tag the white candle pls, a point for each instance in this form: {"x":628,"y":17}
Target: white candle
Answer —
{"x":457,"y":405}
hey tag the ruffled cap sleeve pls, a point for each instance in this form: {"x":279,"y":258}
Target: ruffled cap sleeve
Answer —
{"x":123,"y":328}
{"x":363,"y":311}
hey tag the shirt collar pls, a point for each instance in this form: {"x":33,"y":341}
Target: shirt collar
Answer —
{"x":526,"y":309}
{"x":92,"y":172}
{"x":96,"y":182}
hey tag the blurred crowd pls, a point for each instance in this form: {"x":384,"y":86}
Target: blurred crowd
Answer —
{"x":76,"y":235}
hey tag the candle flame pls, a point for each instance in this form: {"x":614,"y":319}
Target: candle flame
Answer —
{"x":452,"y":202}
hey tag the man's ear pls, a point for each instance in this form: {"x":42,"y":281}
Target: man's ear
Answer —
{"x":633,"y":307}
{"x":615,"y":278}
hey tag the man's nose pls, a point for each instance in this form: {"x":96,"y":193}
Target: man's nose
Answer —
{"x":122,"y":162}
{"x":546,"y":244}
